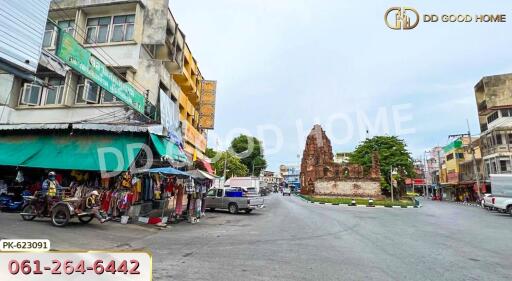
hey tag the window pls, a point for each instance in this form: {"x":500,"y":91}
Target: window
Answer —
{"x":49,"y":33}
{"x":107,"y":97}
{"x":219,"y":192}
{"x":504,"y":165}
{"x":122,"y":29}
{"x":31,"y":94}
{"x":37,"y":95}
{"x":211,"y":193}
{"x":499,"y":139}
{"x":68,"y":26}
{"x":89,"y":92}
{"x":97,"y":30}
{"x":449,"y":157}
{"x":55,"y":93}
{"x":491,"y":118}
{"x":506,"y":113}
{"x":510,"y":138}
{"x":459,"y":155}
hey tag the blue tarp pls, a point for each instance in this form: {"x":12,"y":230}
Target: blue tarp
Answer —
{"x":169,"y":171}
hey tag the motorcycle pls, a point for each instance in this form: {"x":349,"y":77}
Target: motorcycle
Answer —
{"x":60,"y":211}
{"x":13,"y":203}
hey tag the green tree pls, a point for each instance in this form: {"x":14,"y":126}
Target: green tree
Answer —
{"x":210,"y":153}
{"x":250,"y":151}
{"x":393,"y":153}
{"x":234,"y":167}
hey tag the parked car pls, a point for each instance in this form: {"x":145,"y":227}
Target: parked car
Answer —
{"x":287,"y":191}
{"x":233,"y":200}
{"x":486,"y":201}
{"x":502,"y":192}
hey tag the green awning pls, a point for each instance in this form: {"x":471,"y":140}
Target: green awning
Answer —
{"x":453,"y":145}
{"x":70,"y":152}
{"x":168,"y":149}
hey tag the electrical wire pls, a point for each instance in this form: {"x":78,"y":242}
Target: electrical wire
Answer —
{"x":112,"y":114}
{"x":84,"y":32}
{"x":62,"y":12}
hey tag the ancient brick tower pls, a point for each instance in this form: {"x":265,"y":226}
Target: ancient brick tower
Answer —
{"x":318,"y":165}
{"x":317,"y":159}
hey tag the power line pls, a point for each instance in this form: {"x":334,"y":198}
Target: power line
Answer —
{"x":62,"y":12}
{"x":76,"y":93}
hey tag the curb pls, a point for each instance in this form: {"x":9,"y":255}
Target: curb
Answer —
{"x":467,"y":204}
{"x":360,"y":206}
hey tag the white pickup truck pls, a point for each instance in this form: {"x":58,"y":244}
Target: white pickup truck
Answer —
{"x":233,"y":200}
{"x":502,"y":192}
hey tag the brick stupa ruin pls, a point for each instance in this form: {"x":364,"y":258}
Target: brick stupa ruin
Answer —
{"x":321,"y":176}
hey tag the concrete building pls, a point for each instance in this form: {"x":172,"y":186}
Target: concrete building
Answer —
{"x":342,"y":157}
{"x":290,"y":174}
{"x":270,"y":178}
{"x":467,"y":176}
{"x":494,"y":103}
{"x":139,"y":46}
{"x":434,"y":158}
{"x":456,"y":154}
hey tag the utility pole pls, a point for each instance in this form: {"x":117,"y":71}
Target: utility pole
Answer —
{"x":391,"y":183}
{"x":252,"y":173}
{"x":475,"y":168}
{"x":225,"y":164}
{"x":426,"y":172}
{"x":439,"y":171}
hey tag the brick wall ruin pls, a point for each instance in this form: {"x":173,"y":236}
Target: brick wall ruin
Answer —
{"x":320,"y":175}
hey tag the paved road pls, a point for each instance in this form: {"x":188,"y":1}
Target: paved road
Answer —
{"x":296,"y":240}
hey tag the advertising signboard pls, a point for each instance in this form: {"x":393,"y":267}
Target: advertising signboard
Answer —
{"x":207,"y":104}
{"x":83,"y":61}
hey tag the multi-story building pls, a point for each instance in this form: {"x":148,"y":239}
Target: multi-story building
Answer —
{"x":467,"y":177}
{"x":342,"y":157}
{"x":455,"y":154}
{"x":116,"y":66}
{"x":433,"y":158}
{"x":270,"y":178}
{"x":190,"y":80}
{"x":494,"y":103}
{"x":291,"y":174}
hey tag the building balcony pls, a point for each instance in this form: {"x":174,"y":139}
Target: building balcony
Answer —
{"x":185,"y":81}
{"x":496,"y":150}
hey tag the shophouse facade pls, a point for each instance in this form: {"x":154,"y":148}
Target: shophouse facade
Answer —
{"x":138,"y":43}
{"x":494,"y":103}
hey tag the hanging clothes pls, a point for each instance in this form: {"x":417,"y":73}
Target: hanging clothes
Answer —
{"x":179,"y":200}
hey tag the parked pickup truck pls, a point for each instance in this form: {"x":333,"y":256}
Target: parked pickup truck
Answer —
{"x":234,"y":200}
{"x":487,"y":202}
{"x":502,"y":192}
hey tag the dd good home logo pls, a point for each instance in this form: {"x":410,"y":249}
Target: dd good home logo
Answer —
{"x":401,"y":18}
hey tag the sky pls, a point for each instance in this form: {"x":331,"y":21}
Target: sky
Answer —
{"x":283,"y":66}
